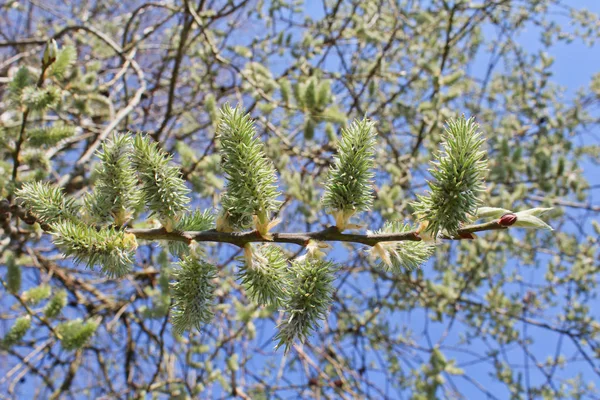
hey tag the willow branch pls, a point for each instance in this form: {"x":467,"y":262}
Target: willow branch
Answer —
{"x":330,"y":234}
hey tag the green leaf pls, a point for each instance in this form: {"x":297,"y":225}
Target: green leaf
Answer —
{"x":536,"y":212}
{"x":491,"y":212}
{"x":527,"y":219}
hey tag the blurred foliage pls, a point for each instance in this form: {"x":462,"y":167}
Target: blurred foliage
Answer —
{"x":506,"y":315}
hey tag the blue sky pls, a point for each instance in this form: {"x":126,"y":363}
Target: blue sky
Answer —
{"x":575,"y":63}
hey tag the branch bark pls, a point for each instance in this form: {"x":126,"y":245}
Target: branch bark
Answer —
{"x":330,"y":234}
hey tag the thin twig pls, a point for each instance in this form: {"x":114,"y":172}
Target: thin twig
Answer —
{"x":330,"y":234}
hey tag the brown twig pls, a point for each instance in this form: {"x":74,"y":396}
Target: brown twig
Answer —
{"x":330,"y":234}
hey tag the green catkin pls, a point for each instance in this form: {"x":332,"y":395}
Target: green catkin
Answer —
{"x":36,"y":294}
{"x":17,"y":332}
{"x":163,"y":189}
{"x":349,"y":186}
{"x":113,"y":250}
{"x":76,"y":333}
{"x":56,"y":304}
{"x":193,"y":294}
{"x":311,"y":291}
{"x":49,"y":136}
{"x":458,"y":179}
{"x":404,"y":255}
{"x":13,"y":274}
{"x":47,"y":203}
{"x":264,"y":274}
{"x":195,"y":221}
{"x":116,"y":193}
{"x":251,"y":189}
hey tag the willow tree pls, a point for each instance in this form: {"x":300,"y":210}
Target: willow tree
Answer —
{"x":266,"y":199}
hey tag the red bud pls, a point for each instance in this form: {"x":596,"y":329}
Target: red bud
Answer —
{"x":507,"y":219}
{"x":466,"y":235}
